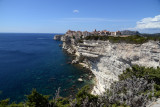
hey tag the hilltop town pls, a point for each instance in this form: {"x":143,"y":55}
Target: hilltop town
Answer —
{"x":83,"y":34}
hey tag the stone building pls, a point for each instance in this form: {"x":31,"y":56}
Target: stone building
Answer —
{"x":70,"y":33}
{"x":117,"y":33}
{"x":86,"y":33}
{"x":79,"y":34}
{"x":104,"y":33}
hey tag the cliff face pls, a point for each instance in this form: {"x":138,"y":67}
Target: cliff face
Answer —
{"x":107,"y":60}
{"x":58,"y":37}
{"x":114,"y":58}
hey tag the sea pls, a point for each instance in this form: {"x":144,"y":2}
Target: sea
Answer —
{"x":36,"y":61}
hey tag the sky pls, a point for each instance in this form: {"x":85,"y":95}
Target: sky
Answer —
{"x":58,"y":16}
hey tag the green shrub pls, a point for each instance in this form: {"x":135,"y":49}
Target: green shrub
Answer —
{"x":84,"y":93}
{"x":37,"y":100}
{"x":134,"y":39}
{"x":4,"y":103}
{"x":149,"y":73}
{"x":17,"y":105}
{"x":62,"y":102}
{"x":152,"y":74}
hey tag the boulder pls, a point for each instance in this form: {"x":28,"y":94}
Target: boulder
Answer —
{"x":80,"y":79}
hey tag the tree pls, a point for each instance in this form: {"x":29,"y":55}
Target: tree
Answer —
{"x":37,"y":100}
{"x":4,"y":103}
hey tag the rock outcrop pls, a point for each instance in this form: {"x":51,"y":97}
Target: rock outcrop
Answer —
{"x":58,"y":37}
{"x":108,"y":60}
{"x":113,"y":58}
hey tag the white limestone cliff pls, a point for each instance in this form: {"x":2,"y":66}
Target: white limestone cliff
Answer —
{"x":108,"y":60}
{"x":58,"y":37}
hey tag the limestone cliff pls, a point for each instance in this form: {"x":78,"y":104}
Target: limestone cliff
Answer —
{"x":58,"y":37}
{"x":114,"y":58}
{"x":107,"y":60}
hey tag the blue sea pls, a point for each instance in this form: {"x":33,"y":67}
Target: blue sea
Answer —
{"x":30,"y":61}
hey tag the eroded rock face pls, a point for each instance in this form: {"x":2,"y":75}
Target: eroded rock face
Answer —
{"x":58,"y":37}
{"x":68,"y":44}
{"x":114,"y":58}
{"x":108,"y":60}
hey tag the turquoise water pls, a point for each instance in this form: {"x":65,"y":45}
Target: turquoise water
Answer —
{"x":30,"y":61}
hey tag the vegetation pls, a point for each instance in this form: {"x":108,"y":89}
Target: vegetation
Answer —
{"x":84,"y":94}
{"x":80,"y":41}
{"x":135,"y":39}
{"x":151,"y":35}
{"x":155,"y":38}
{"x":135,"y":88}
{"x":150,"y":74}
{"x":134,"y":92}
{"x":37,"y":100}
{"x":5,"y":103}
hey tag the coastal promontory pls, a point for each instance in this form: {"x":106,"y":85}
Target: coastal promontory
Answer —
{"x":107,"y":55}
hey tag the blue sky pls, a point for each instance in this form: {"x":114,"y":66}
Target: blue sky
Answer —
{"x":57,"y":16}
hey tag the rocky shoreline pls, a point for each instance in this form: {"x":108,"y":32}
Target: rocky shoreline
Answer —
{"x":107,"y":60}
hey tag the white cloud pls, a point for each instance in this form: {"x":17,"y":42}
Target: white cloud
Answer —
{"x":149,"y":23}
{"x":75,"y":11}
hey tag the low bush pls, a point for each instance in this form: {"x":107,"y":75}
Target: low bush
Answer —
{"x":134,"y":39}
